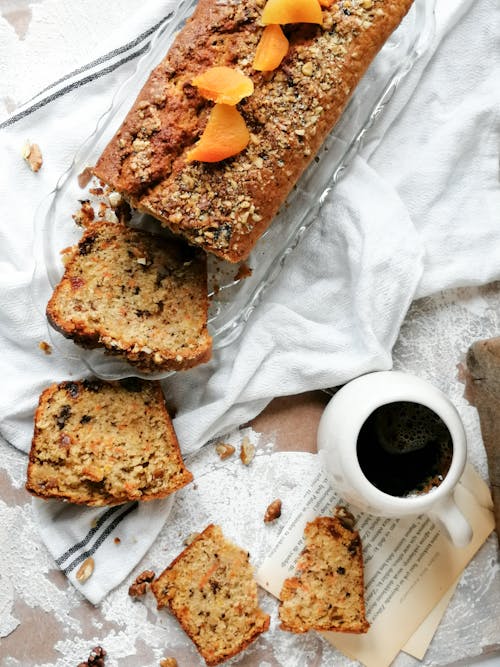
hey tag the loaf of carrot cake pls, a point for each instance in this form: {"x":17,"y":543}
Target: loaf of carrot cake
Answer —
{"x":104,"y":443}
{"x":225,"y":206}
{"x":211,"y":590}
{"x":138,"y":295}
{"x":327,"y":592}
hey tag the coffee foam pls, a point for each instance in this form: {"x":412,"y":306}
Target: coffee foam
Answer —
{"x":405,"y":427}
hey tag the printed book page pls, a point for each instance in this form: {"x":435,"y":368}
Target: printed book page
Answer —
{"x":409,"y":568}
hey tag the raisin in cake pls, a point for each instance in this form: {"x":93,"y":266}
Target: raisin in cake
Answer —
{"x":138,"y":295}
{"x":211,"y":590}
{"x":103,"y":443}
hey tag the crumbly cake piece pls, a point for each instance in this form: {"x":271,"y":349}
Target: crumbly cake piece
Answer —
{"x":327,"y":592}
{"x":225,"y":207}
{"x":104,"y":443}
{"x":211,"y":590}
{"x":138,"y":295}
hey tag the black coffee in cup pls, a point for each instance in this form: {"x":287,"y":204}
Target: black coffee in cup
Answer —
{"x":404,"y":449}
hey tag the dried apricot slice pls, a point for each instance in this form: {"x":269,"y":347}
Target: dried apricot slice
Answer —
{"x":223,"y":85}
{"x":225,"y":134}
{"x":271,"y":49}
{"x":292,"y":11}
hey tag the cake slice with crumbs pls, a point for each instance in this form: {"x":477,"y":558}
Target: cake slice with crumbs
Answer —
{"x":211,"y":590}
{"x":141,"y":296}
{"x":327,"y":592}
{"x":104,"y":443}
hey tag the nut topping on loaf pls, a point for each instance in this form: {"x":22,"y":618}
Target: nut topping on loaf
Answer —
{"x":226,"y":206}
{"x":211,"y":590}
{"x":138,"y":295}
{"x":104,"y":443}
{"x":328,"y":591}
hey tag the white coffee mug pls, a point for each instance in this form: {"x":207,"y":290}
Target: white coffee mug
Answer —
{"x":338,"y":432}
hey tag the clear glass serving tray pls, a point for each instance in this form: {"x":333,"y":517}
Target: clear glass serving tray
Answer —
{"x":232,"y":299}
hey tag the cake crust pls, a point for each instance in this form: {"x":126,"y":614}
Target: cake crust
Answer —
{"x":225,"y":207}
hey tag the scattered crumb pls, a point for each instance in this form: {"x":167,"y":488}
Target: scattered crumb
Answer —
{"x":33,"y":156}
{"x":273,"y":511}
{"x":224,"y":450}
{"x":140,"y":584}
{"x":115,"y":199}
{"x":117,"y":540}
{"x":190,"y":538}
{"x":85,"y":570}
{"x":85,"y":216}
{"x":168,"y":662}
{"x":96,"y":191}
{"x":45,"y":347}
{"x":244,"y":271}
{"x":84,"y":177}
{"x":345,"y":517}
{"x":247,"y":451}
{"x":102,"y":209}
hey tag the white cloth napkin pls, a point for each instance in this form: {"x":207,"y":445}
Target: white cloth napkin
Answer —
{"x":416,"y":212}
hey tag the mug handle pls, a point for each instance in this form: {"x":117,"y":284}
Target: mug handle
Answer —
{"x":447,"y":516}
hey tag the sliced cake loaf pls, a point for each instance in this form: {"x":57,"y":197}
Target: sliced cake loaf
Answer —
{"x":226,"y":206}
{"x":211,"y":590}
{"x":136,"y":294}
{"x":103,"y":443}
{"x":327,"y":592}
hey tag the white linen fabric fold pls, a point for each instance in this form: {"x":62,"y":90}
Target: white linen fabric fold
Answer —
{"x":416,"y":212}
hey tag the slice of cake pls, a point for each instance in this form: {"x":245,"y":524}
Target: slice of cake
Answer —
{"x":327,"y":592}
{"x":211,"y":590}
{"x":104,"y":443}
{"x":138,"y":295}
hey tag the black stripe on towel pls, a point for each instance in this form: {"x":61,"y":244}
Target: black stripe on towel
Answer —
{"x":83,"y":556}
{"x":73,"y":86}
{"x":104,"y":517}
{"x":103,"y":59}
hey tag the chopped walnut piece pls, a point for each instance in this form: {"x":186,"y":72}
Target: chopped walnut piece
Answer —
{"x":168,"y":662}
{"x":45,"y":347}
{"x":141,"y":582}
{"x":273,"y":511}
{"x":85,"y":570}
{"x":224,"y":450}
{"x":345,"y":517}
{"x":84,"y":177}
{"x":96,"y":657}
{"x":115,"y":199}
{"x":247,"y":451}
{"x":33,"y":156}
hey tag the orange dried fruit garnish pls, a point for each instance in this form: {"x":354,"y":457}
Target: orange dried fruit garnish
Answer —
{"x":292,"y":11}
{"x":225,"y":135}
{"x":271,"y":49}
{"x":223,"y":85}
